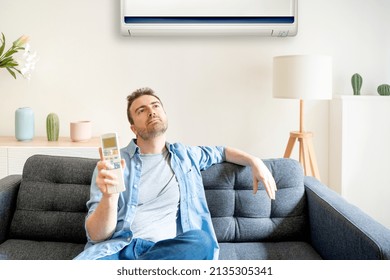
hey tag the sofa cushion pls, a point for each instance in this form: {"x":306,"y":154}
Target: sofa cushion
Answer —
{"x":289,"y":250}
{"x":51,"y":199}
{"x":17,"y":249}
{"x":240,"y":216}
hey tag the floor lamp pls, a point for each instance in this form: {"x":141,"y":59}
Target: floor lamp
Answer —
{"x":303,"y":77}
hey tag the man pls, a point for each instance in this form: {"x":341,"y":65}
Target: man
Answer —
{"x":163,"y":212}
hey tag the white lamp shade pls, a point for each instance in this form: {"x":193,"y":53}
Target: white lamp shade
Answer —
{"x":302,"y":77}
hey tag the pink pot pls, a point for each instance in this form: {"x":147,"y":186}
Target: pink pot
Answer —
{"x":80,"y":131}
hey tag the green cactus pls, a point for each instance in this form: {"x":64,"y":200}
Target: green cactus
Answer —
{"x":52,"y":127}
{"x":384,"y":89}
{"x":357,"y":82}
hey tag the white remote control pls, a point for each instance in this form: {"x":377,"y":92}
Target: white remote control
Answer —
{"x":111,"y":153}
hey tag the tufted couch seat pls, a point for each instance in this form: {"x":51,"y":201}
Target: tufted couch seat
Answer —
{"x":42,"y":214}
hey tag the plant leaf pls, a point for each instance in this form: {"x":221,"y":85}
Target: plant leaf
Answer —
{"x":2,"y":44}
{"x":12,"y":64}
{"x":5,"y":61}
{"x":2,"y":49}
{"x":10,"y":52}
{"x":17,"y":70}
{"x":11,"y":72}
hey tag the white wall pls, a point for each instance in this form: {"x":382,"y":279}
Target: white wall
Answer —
{"x":215,"y":90}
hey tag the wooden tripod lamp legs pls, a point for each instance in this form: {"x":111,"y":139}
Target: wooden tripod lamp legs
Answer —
{"x":307,"y":156}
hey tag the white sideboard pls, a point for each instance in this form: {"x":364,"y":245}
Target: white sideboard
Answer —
{"x":359,"y":159}
{"x":13,"y":153}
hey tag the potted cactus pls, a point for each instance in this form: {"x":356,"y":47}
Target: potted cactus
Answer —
{"x":52,"y":127}
{"x":357,"y":82}
{"x":384,"y":89}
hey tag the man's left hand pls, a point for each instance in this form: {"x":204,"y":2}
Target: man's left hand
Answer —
{"x":261,"y":173}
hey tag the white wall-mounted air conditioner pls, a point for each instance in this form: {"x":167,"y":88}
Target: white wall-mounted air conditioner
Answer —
{"x":209,"y":17}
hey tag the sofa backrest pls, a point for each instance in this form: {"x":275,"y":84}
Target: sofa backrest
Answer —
{"x":51,"y":203}
{"x":240,"y":216}
{"x":52,"y":198}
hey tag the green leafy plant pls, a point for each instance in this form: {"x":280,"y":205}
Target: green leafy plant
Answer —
{"x":12,"y":65}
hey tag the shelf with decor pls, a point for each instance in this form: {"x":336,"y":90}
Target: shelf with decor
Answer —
{"x":14,"y":153}
{"x":359,"y":158}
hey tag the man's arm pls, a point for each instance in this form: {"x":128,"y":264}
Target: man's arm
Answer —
{"x":102,"y":222}
{"x":260,"y":172}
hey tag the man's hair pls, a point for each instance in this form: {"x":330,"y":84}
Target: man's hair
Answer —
{"x":138,"y":93}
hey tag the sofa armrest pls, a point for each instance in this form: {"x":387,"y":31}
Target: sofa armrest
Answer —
{"x":340,"y":230}
{"x":9,"y":187}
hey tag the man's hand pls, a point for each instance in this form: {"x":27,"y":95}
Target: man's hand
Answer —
{"x":259,"y":170}
{"x":105,"y":178}
{"x":261,"y":173}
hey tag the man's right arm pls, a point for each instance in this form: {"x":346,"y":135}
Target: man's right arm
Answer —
{"x":101,"y":223}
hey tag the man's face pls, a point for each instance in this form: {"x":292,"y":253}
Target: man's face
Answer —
{"x":149,"y":117}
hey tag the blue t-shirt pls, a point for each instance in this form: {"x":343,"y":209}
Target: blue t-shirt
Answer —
{"x":186,"y":162}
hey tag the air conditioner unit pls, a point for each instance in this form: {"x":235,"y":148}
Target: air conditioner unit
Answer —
{"x":209,"y":17}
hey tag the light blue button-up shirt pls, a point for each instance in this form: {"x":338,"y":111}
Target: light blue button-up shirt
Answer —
{"x":186,"y":162}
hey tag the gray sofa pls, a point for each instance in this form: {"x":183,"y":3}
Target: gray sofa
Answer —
{"x":42,"y":214}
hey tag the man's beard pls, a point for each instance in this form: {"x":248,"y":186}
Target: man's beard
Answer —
{"x":152,"y":131}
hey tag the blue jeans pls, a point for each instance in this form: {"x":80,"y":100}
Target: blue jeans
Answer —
{"x":191,"y":245}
